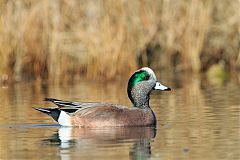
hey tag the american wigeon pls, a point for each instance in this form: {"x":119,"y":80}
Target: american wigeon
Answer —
{"x":90,"y":114}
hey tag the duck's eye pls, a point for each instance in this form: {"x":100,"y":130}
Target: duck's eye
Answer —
{"x":146,"y":78}
{"x":142,"y":76}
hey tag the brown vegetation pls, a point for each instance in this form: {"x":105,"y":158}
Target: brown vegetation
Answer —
{"x":63,"y":40}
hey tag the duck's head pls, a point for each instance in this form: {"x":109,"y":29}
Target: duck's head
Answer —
{"x":140,"y":85}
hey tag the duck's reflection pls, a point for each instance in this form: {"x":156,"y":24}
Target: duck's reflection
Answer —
{"x":68,"y":138}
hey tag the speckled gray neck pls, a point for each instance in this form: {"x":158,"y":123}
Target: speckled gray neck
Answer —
{"x":140,"y":85}
{"x":141,"y":94}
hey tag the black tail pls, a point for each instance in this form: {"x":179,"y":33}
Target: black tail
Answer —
{"x":53,"y":112}
{"x":51,"y":99}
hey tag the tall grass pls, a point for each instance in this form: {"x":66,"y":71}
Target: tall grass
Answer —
{"x":64,"y":40}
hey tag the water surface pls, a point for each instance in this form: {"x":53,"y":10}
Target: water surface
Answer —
{"x":195,"y":121}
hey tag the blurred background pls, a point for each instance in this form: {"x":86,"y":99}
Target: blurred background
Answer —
{"x":60,"y":41}
{"x":192,"y":45}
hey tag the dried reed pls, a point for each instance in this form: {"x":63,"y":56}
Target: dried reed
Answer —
{"x":64,"y":40}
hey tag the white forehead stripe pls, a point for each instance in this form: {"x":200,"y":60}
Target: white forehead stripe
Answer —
{"x":150,"y":71}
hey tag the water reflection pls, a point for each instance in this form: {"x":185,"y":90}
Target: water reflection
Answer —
{"x":77,"y":138}
{"x":195,"y":121}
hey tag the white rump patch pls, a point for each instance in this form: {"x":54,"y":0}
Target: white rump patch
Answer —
{"x":64,"y":119}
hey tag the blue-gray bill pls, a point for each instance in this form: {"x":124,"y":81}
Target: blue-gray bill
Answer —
{"x":161,"y":87}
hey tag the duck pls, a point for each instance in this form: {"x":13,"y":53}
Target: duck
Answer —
{"x":94,"y":114}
